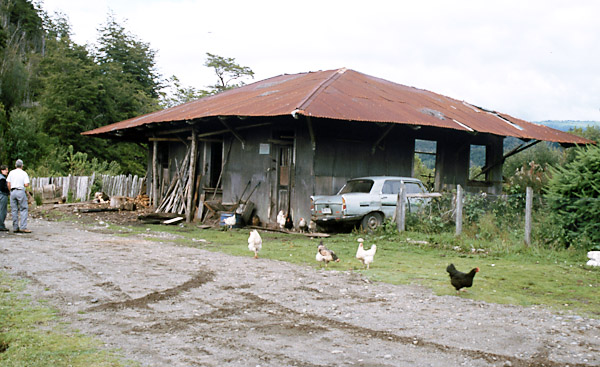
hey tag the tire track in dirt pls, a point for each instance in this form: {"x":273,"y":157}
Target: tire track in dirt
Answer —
{"x":142,"y":302}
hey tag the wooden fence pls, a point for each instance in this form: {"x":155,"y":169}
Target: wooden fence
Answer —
{"x":400,"y":216}
{"x":80,"y":187}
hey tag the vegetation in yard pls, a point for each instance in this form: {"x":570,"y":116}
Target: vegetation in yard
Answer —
{"x":31,"y":336}
{"x":511,"y":273}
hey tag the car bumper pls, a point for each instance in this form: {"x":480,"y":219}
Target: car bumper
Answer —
{"x":331,"y":219}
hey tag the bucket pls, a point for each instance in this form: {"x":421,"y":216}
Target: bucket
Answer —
{"x":238,"y":219}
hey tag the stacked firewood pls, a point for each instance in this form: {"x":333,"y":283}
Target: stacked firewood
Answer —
{"x":142,"y":201}
{"x":174,"y":200}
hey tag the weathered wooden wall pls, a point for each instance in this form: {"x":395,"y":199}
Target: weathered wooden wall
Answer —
{"x":324,"y":161}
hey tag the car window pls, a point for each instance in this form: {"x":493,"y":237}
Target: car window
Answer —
{"x":357,"y":186}
{"x":413,"y":188}
{"x":393,"y":187}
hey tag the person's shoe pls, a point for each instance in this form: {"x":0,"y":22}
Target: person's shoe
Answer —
{"x":17,"y":231}
{"x":3,"y":229}
{"x":25,"y":231}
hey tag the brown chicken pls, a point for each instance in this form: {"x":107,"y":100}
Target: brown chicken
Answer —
{"x":459,"y":279}
{"x":325,"y":255}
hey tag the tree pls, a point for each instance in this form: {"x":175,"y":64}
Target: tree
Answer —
{"x":79,"y":93}
{"x":121,"y":51}
{"x":574,"y":198}
{"x":175,"y":94}
{"x":21,"y":42}
{"x":227,"y":71}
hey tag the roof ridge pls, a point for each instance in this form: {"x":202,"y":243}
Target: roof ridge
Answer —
{"x":324,"y":84}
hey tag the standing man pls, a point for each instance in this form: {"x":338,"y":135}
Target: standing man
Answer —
{"x":18,"y":180}
{"x":4,"y":194}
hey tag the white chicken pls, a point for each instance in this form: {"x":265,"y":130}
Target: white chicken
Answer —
{"x":325,"y":255}
{"x":254,"y":242}
{"x":303,"y":226}
{"x":594,"y":257}
{"x":230,"y":221}
{"x":281,"y":219}
{"x":365,"y":256}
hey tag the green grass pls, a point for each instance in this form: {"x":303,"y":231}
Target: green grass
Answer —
{"x":31,"y":335}
{"x":509,"y":273}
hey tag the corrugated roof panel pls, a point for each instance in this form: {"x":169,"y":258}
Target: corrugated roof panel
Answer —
{"x":348,"y":95}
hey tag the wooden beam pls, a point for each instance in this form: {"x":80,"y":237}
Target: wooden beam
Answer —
{"x":385,"y":133}
{"x":231,"y":130}
{"x":155,"y":175}
{"x":311,"y":132}
{"x":191,"y":178}
{"x":516,"y":150}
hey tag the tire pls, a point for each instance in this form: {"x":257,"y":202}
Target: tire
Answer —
{"x":371,"y":222}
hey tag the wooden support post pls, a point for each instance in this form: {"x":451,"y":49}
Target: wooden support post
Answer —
{"x":459,"y":209}
{"x":189,"y":214}
{"x":155,"y":175}
{"x":528,"y":208}
{"x":311,"y":132}
{"x":401,"y":209}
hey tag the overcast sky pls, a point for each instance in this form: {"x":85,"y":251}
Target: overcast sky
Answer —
{"x":535,"y":60}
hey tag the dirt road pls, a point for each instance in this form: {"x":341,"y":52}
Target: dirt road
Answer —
{"x":168,"y":305}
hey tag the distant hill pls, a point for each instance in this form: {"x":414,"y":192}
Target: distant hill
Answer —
{"x":566,"y":125}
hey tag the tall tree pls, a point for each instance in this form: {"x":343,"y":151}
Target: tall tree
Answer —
{"x":228,"y":72}
{"x":120,"y":50}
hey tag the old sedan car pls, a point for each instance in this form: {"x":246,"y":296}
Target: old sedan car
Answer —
{"x":366,"y":201}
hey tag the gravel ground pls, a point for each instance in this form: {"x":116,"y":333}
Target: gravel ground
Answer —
{"x":163,"y":304}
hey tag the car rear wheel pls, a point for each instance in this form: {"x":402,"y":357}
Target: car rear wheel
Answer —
{"x":371,"y":222}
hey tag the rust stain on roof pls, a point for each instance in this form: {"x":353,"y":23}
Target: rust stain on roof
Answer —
{"x":344,"y":94}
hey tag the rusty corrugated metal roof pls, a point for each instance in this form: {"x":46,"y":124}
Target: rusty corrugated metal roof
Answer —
{"x":344,"y":94}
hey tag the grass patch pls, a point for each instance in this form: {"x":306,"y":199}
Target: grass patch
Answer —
{"x":31,"y":336}
{"x":511,"y":273}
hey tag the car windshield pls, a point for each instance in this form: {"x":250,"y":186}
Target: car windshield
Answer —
{"x":357,"y":186}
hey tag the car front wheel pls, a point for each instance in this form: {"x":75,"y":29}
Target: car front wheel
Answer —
{"x":371,"y":222}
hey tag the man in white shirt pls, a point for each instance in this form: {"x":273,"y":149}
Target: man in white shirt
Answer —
{"x":17,"y":181}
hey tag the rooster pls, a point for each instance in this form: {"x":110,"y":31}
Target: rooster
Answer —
{"x":325,"y":255}
{"x":254,"y":243}
{"x":365,"y":256}
{"x":281,"y":219}
{"x":459,"y":279}
{"x":302,"y":225}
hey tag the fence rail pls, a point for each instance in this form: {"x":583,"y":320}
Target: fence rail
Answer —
{"x":80,"y":187}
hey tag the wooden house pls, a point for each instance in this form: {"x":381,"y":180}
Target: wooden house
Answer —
{"x":285,"y":138}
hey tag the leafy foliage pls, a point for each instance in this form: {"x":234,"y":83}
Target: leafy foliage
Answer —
{"x":227,"y":71}
{"x":574,"y":198}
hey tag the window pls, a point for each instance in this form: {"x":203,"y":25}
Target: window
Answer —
{"x":424,"y":161}
{"x":477,"y":161}
{"x":357,"y":186}
{"x":393,"y":187}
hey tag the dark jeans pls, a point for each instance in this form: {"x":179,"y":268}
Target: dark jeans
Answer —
{"x":3,"y":209}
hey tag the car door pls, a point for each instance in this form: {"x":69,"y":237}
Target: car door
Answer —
{"x":414,"y":204}
{"x":389,"y":196}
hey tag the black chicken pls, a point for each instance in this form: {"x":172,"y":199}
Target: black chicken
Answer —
{"x":459,"y":279}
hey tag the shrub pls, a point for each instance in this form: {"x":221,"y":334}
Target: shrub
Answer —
{"x":574,"y":198}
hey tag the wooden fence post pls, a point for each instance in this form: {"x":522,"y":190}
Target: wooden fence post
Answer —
{"x":459,"y":209}
{"x":401,"y":209}
{"x":528,"y":208}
